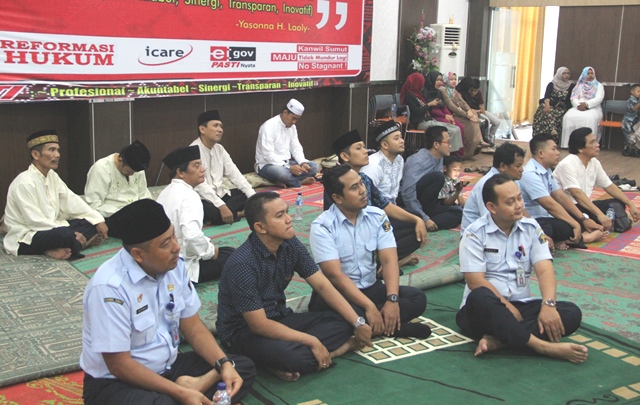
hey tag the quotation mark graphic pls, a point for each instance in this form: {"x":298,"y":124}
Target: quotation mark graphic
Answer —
{"x":324,"y":8}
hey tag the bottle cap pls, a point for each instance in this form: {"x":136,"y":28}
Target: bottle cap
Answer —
{"x":222,"y":386}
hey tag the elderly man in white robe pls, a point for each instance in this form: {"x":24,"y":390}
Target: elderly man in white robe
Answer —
{"x":43,"y":216}
{"x":117,"y":180}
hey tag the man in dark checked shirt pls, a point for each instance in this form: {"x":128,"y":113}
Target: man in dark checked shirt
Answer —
{"x":253,"y":318}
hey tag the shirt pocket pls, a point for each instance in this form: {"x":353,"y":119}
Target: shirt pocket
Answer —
{"x":493,"y":258}
{"x":371,"y":247}
{"x":346,"y":250}
{"x":144,"y":330}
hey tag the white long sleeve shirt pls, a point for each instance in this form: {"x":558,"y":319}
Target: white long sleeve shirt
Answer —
{"x":38,"y":203}
{"x":182,"y":205}
{"x":218,"y":165}
{"x":107,"y":190}
{"x":277,"y":144}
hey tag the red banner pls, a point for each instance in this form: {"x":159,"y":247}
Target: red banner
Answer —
{"x":98,"y":49}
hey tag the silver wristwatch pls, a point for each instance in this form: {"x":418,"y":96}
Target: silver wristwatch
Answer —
{"x":550,"y":302}
{"x":359,"y":322}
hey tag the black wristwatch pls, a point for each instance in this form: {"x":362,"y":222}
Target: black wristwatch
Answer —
{"x":392,"y":297}
{"x":219,"y":363}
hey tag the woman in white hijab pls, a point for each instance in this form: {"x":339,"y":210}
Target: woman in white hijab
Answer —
{"x":586,"y":98}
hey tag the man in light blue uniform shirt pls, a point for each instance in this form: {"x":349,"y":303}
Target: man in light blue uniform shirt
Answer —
{"x":345,"y":240}
{"x":547,"y":203}
{"x":507,"y":159}
{"x":136,"y":306}
{"x":498,"y":252}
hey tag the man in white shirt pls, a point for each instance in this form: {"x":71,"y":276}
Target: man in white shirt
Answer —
{"x":182,"y":204}
{"x":118,"y":180}
{"x":579,"y":172}
{"x":279,"y":155}
{"x":43,"y":216}
{"x":386,"y":165}
{"x":221,"y":206}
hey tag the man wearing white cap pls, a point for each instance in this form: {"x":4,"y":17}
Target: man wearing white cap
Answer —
{"x":279,"y":155}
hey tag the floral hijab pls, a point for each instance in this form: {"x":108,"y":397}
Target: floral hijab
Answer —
{"x":413,"y":85}
{"x":451,"y":91}
{"x":585,"y":90}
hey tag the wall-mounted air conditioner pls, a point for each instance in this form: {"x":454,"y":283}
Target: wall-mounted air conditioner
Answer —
{"x":448,"y":35}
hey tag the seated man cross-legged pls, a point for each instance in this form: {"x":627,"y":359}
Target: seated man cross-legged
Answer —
{"x":498,"y":252}
{"x":345,"y":241}
{"x":409,"y":230}
{"x":253,"y":318}
{"x":182,"y":204}
{"x":136,"y":306}
{"x":580,"y":172}
{"x":43,"y":216}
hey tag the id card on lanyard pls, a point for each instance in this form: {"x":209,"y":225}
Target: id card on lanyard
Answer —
{"x":172,"y":319}
{"x":521,"y":279}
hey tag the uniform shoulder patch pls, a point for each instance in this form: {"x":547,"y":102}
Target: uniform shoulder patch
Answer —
{"x":386,"y":225}
{"x":114,"y":300}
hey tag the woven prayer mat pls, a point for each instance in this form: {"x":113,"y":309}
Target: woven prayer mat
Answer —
{"x":40,"y":317}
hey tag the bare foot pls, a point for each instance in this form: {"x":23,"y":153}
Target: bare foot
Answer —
{"x":588,"y":237}
{"x":410,"y":260}
{"x":308,"y":180}
{"x":565,"y":351}
{"x":352,"y":344}
{"x":199,"y":384}
{"x":59,"y":254}
{"x":285,"y":375}
{"x":95,"y":240}
{"x":281,"y":185}
{"x":240,"y":214}
{"x":561,"y":245}
{"x":487,"y":344}
{"x":80,"y":238}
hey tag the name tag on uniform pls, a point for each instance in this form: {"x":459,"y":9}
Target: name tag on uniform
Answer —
{"x":491,"y":250}
{"x":142,"y":309}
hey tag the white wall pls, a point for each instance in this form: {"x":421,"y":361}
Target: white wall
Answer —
{"x":384,"y":39}
{"x":459,"y":10}
{"x":550,"y":38}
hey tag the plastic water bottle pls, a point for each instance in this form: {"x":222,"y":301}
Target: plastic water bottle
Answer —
{"x":394,"y":111}
{"x":611,"y":214}
{"x":298,"y":215}
{"x":221,"y":397}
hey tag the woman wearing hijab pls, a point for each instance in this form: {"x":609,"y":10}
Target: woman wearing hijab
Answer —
{"x":463,"y":113}
{"x":586,"y":97}
{"x":556,"y":102}
{"x":412,"y":96}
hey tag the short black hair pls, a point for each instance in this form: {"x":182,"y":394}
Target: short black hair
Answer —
{"x":37,"y":149}
{"x":124,"y":159}
{"x":489,"y":188}
{"x":254,"y":207}
{"x":633,"y":86}
{"x":475,"y":83}
{"x":434,"y":134}
{"x":449,"y":160}
{"x":578,"y":139}
{"x":539,"y":141}
{"x":183,"y":167}
{"x":331,"y":180}
{"x":346,"y":150}
{"x":506,"y":153}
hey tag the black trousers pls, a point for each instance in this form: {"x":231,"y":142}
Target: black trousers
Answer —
{"x":328,"y":326}
{"x":405,"y":236}
{"x":427,"y":190}
{"x":111,"y":391}
{"x":484,"y":314}
{"x":212,"y":269}
{"x":602,"y":205}
{"x":61,"y":237}
{"x":235,"y":202}
{"x":556,"y":229}
{"x":412,"y":301}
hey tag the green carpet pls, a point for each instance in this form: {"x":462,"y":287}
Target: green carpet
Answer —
{"x":455,"y":376}
{"x":40,"y":317}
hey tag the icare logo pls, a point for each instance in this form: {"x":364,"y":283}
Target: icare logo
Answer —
{"x":157,"y":56}
{"x":232,"y":53}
